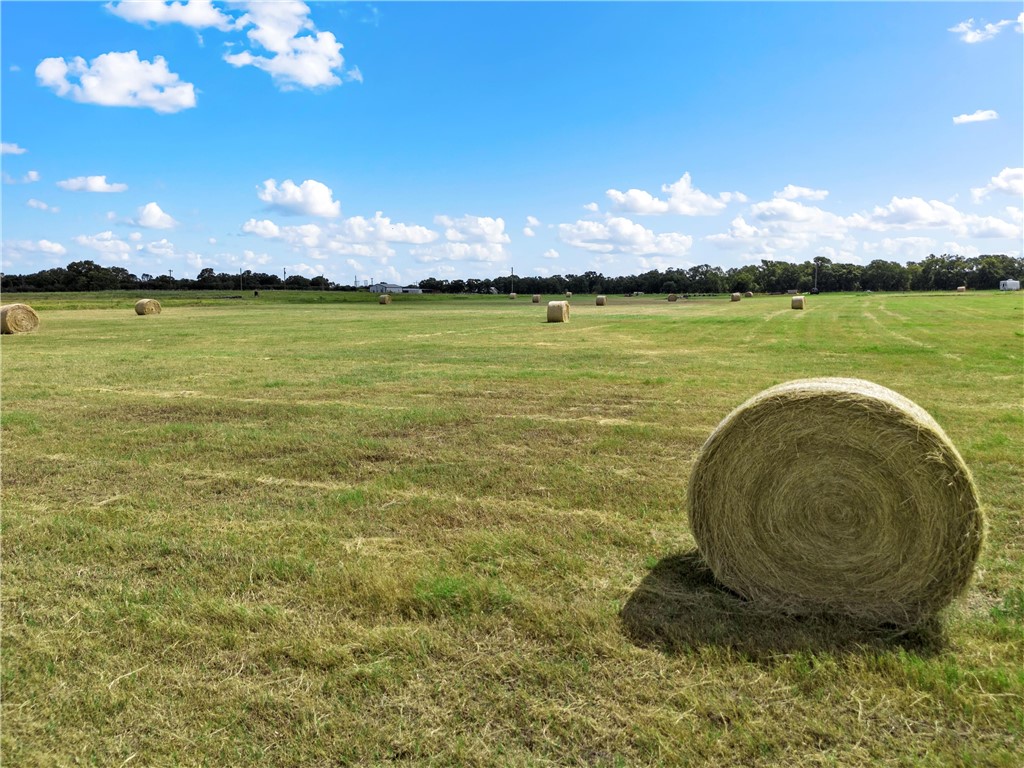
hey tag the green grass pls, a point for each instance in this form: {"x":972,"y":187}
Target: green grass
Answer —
{"x":286,"y":531}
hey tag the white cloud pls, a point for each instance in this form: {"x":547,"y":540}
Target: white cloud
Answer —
{"x":90,"y":184}
{"x":118,"y":80}
{"x":906,"y":248}
{"x":162,"y":247}
{"x":592,"y":207}
{"x":263,"y":228}
{"x":311,"y":198}
{"x":620,"y":235}
{"x":11,"y":149}
{"x":683,"y":199}
{"x":30,"y":177}
{"x":34,"y":246}
{"x":904,"y":213}
{"x":532,"y":221}
{"x":41,"y":206}
{"x":197,"y":14}
{"x":152,"y":217}
{"x":381,"y":228}
{"x":972,"y":34}
{"x":135,"y":236}
{"x":455,"y":251}
{"x":310,"y":60}
{"x":792,"y":192}
{"x":106,"y":243}
{"x":529,"y":232}
{"x":979,"y":116}
{"x":962,"y":250}
{"x":550,"y":253}
{"x":479,"y":229}
{"x":1010,"y":181}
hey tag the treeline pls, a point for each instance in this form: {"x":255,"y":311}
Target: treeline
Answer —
{"x":935,"y":273}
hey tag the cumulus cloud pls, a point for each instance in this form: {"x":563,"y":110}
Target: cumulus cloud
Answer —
{"x":263,"y":228}
{"x":382,"y":229}
{"x":91,"y":184}
{"x":17,"y":247}
{"x":592,"y":207}
{"x":970,"y":33}
{"x":621,"y":235}
{"x":550,"y":253}
{"x":455,"y":251}
{"x":118,"y":80}
{"x":162,"y":247}
{"x":905,"y":213}
{"x":106,"y":243}
{"x":1010,"y":181}
{"x":152,"y":217}
{"x":979,"y":116}
{"x":11,"y":149}
{"x":197,"y":14}
{"x":30,"y":177}
{"x":300,"y":56}
{"x":41,"y":206}
{"x":793,"y":192}
{"x":683,"y":199}
{"x":311,"y":198}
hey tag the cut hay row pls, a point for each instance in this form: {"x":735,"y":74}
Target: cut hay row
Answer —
{"x":147,"y":307}
{"x":836,"y":496}
{"x":18,"y":318}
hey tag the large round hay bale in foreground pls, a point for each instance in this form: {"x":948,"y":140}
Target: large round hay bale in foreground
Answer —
{"x":147,"y":307}
{"x":558,"y":311}
{"x":602,"y":300}
{"x":735,"y":297}
{"x":536,"y":298}
{"x":385,"y":298}
{"x":18,"y":318}
{"x":797,"y":302}
{"x":836,"y":496}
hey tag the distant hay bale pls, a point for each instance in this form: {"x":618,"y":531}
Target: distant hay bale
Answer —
{"x":558,"y":311}
{"x":512,"y":295}
{"x":748,"y":295}
{"x":536,"y":298}
{"x":798,"y":302}
{"x":836,"y":496}
{"x":735,"y":297}
{"x":147,"y":307}
{"x":18,"y":318}
{"x":568,"y":294}
{"x":673,"y":297}
{"x":601,"y":301}
{"x":385,"y":298}
{"x":961,"y":289}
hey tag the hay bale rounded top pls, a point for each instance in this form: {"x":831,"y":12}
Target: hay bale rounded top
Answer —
{"x":18,"y":318}
{"x":147,"y":307}
{"x":736,"y":297}
{"x":512,"y":295}
{"x":673,"y":297}
{"x":748,"y":295}
{"x":558,"y":311}
{"x":836,"y":496}
{"x":797,"y":302}
{"x":536,"y":298}
{"x":602,"y":300}
{"x":385,"y":298}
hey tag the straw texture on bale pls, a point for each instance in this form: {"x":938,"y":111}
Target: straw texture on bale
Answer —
{"x":673,"y":297}
{"x":961,"y":289}
{"x":18,"y":318}
{"x":513,"y":295}
{"x":748,"y":295}
{"x":602,"y":300}
{"x":558,"y":311}
{"x":735,"y":297}
{"x":536,"y":298}
{"x":385,"y":298}
{"x":798,"y":302}
{"x":147,"y":307}
{"x":836,"y":496}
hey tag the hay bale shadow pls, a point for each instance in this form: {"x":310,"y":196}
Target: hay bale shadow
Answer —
{"x":680,"y":606}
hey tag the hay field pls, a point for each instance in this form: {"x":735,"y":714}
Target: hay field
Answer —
{"x":446,"y":532}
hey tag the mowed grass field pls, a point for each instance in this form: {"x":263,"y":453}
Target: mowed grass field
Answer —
{"x":445,"y":532}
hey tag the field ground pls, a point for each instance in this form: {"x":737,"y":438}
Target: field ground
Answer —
{"x":302,"y":530}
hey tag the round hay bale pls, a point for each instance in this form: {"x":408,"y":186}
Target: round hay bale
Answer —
{"x":18,"y":318}
{"x":536,"y":298}
{"x":961,"y":289}
{"x":568,"y":294}
{"x":602,"y":300}
{"x":748,"y":295}
{"x":735,"y":297}
{"x":798,"y":302}
{"x":673,"y":297}
{"x":558,"y":311}
{"x":512,"y":295}
{"x":836,"y":496}
{"x":385,"y":298}
{"x":147,"y":307}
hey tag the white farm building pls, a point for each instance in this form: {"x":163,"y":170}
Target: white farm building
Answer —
{"x":392,"y":288}
{"x":1009,"y":285}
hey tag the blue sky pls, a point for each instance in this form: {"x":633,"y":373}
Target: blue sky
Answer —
{"x":398,"y":141}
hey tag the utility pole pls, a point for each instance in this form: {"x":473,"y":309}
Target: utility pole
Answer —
{"x":513,"y":280}
{"x":239,"y":278}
